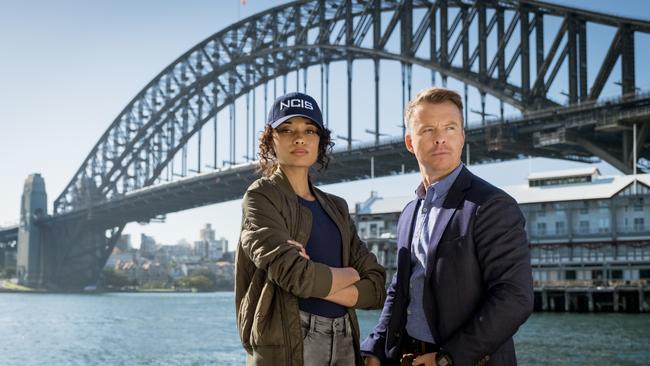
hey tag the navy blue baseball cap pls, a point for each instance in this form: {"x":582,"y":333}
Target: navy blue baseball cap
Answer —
{"x":294,"y":105}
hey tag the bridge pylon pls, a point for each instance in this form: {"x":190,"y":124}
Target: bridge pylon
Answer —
{"x":61,"y":256}
{"x":30,"y":261}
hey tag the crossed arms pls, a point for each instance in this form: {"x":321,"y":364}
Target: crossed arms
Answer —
{"x":265,"y":239}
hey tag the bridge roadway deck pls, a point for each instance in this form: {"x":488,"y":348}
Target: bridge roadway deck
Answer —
{"x":492,"y":141}
{"x":230,"y":183}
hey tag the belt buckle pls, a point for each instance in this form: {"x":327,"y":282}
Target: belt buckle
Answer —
{"x":407,"y":359}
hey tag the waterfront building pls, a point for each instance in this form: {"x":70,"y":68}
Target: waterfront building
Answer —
{"x":589,"y":237}
{"x":152,"y":273}
{"x":118,"y":258}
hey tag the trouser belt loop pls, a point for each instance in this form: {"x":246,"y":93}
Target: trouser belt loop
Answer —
{"x":312,"y":322}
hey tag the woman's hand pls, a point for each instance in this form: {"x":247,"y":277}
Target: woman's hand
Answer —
{"x":347,"y":297}
{"x":300,"y":247}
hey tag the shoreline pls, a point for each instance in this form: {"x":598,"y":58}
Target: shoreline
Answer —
{"x":8,"y":287}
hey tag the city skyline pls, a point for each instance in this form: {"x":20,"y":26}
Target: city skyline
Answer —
{"x":97,"y":57}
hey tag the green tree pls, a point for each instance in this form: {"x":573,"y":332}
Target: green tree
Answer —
{"x":202,"y":280}
{"x":206,"y":273}
{"x":114,"y":278}
{"x":201,"y":283}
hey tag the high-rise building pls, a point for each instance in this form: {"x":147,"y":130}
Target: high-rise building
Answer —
{"x":124,"y":243}
{"x":218,"y":248}
{"x":208,"y":246}
{"x":207,"y":233}
{"x":147,"y":246}
{"x":202,"y":249}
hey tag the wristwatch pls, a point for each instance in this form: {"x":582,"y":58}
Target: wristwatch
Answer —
{"x":443,"y":359}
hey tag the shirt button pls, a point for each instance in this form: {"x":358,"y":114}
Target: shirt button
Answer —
{"x":424,"y":209}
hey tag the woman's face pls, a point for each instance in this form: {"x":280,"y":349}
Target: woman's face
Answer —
{"x":296,"y":143}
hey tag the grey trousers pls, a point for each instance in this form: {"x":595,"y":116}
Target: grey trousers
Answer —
{"x":326,"y":341}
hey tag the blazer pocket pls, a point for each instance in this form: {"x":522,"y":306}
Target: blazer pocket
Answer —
{"x":451,"y":247}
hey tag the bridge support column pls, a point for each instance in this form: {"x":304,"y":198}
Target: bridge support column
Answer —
{"x":31,"y":256}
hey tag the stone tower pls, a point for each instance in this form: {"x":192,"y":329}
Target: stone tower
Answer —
{"x":30,"y":261}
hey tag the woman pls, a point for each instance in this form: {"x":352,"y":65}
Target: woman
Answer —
{"x":300,"y":266}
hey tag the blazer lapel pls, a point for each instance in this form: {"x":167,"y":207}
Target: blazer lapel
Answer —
{"x":405,"y":225}
{"x":450,"y":205}
{"x":405,"y":228}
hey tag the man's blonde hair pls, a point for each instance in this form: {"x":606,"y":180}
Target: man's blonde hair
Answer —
{"x":433,"y":95}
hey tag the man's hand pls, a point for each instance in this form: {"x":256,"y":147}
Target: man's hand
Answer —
{"x":300,"y":247}
{"x":427,"y":359}
{"x":372,"y":361}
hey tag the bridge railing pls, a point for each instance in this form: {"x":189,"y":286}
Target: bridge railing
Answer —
{"x":567,"y":108}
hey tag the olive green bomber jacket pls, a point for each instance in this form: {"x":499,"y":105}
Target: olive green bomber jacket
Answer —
{"x":270,"y":274}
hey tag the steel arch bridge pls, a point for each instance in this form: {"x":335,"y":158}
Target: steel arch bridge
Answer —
{"x":498,"y":47}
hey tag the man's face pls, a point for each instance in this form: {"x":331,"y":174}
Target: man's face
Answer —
{"x":436,"y":137}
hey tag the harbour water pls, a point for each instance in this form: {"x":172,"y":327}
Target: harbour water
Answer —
{"x":199,"y":329}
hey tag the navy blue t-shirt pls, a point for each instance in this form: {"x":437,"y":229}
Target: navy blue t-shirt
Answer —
{"x":324,"y":246}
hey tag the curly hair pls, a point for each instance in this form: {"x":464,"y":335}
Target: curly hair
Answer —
{"x":268,"y":164}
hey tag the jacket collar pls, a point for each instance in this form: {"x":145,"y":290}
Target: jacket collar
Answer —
{"x":282,"y":182}
{"x":457,"y":191}
{"x":441,"y":186}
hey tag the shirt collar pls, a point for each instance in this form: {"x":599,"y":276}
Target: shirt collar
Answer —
{"x":442,"y":186}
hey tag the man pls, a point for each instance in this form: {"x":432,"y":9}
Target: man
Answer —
{"x":463,"y":284}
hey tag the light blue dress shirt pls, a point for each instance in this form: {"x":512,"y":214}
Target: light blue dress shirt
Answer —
{"x":431,"y":201}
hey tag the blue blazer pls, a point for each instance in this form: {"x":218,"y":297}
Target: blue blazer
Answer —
{"x":478,"y":284}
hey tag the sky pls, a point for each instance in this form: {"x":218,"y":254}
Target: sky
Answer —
{"x":69,"y":67}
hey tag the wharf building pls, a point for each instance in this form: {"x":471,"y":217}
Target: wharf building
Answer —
{"x":589,"y":237}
